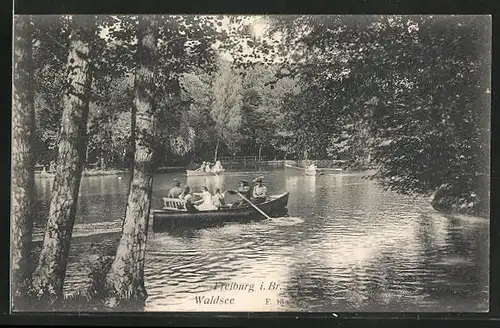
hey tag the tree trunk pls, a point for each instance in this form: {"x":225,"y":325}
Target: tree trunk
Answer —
{"x":50,"y":273}
{"x":216,"y":150}
{"x":23,"y":128}
{"x":131,"y":139}
{"x":133,"y":123}
{"x":126,"y":276}
{"x":86,"y":156}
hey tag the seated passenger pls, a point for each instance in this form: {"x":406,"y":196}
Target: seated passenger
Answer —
{"x":176,"y":191}
{"x":218,"y":198}
{"x":186,"y":195}
{"x":52,"y":167}
{"x":217,"y":167}
{"x":205,"y":204}
{"x":312,"y":167}
{"x":259,"y":192}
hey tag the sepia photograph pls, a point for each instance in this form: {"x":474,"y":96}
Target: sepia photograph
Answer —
{"x":250,"y":163}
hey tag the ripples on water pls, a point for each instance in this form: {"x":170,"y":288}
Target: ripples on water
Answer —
{"x":347,"y":246}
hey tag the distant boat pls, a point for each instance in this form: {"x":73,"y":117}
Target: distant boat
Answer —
{"x":45,"y":174}
{"x":194,"y":173}
{"x":313,"y":172}
{"x":317,"y":171}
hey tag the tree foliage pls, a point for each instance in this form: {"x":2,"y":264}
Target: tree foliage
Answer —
{"x":227,"y":92}
{"x":410,"y":89}
{"x":239,"y":107}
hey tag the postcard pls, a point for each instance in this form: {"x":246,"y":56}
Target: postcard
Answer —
{"x":251,"y":163}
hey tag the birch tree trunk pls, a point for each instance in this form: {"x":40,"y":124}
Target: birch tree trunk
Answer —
{"x":23,"y":128}
{"x":216,"y":150}
{"x":126,"y":276}
{"x":50,"y":273}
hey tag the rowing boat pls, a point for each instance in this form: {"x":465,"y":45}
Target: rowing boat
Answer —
{"x":194,"y":173}
{"x":173,"y":216}
{"x":312,"y":172}
{"x":317,"y":171}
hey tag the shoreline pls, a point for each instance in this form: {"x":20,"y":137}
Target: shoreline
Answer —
{"x":85,"y":173}
{"x":447,"y":204}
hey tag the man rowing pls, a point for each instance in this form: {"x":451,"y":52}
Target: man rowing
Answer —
{"x":244,"y":189}
{"x":256,"y":194}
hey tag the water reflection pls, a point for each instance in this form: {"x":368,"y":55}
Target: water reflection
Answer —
{"x":347,"y":246}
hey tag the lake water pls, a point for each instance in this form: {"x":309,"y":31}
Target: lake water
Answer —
{"x":346,"y":246}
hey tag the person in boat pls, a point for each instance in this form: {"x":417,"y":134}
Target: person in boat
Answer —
{"x":312,"y":167}
{"x":52,"y":166}
{"x":186,"y":196}
{"x":254,"y":183}
{"x":205,"y":203}
{"x":217,"y":167}
{"x":207,"y":167}
{"x":259,"y":192}
{"x":218,"y":198}
{"x":202,"y":167}
{"x":244,"y":189}
{"x":176,"y":191}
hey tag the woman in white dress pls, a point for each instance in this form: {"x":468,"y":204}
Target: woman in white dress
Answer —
{"x":204,"y":204}
{"x":217,"y":167}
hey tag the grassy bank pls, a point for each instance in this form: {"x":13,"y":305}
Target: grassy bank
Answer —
{"x":92,"y":256}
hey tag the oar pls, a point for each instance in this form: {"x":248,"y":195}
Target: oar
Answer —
{"x":249,"y":202}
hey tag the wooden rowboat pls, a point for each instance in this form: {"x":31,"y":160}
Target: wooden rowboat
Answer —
{"x":194,"y":173}
{"x":172,"y":218}
{"x":318,"y":171}
{"x":313,"y":172}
